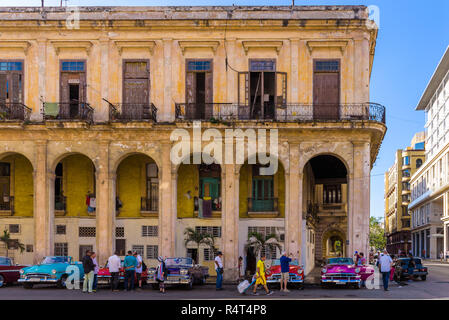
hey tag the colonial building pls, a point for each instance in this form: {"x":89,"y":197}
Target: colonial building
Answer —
{"x":430,"y":184}
{"x":89,"y":107}
{"x":397,"y":194}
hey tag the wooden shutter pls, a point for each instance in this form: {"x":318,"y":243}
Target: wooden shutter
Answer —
{"x":281,"y":89}
{"x":209,"y":95}
{"x":3,"y":81}
{"x":190,"y":95}
{"x":16,"y":95}
{"x":326,"y":93}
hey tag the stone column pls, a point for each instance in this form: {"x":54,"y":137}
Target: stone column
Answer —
{"x":230,"y":221}
{"x":359,"y":205}
{"x":293,"y":201}
{"x":43,"y":215}
{"x":102,"y":114}
{"x":167,"y":114}
{"x":42,"y":75}
{"x":167,"y":205}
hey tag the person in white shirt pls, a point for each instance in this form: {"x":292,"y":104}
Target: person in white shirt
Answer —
{"x":385,"y":264}
{"x":219,"y":269}
{"x":138,"y":269}
{"x":114,"y":265}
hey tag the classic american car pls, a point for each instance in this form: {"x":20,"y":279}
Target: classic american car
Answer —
{"x":104,"y":276}
{"x":52,"y":270}
{"x":341,"y":271}
{"x":401,"y":270}
{"x":180,"y":271}
{"x":9,"y":273}
{"x":296,"y":273}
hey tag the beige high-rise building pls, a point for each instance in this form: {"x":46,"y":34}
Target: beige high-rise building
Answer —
{"x":88,"y":106}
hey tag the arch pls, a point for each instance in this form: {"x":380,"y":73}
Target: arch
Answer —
{"x":333,"y":232}
{"x":11,"y":153}
{"x":118,"y":160}
{"x":60,"y":157}
{"x":335,"y":155}
{"x":176,"y":166}
{"x":251,"y":156}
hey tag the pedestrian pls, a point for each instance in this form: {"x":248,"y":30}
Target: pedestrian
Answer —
{"x":240,"y":269}
{"x":260,"y":276}
{"x":160,"y":274}
{"x":114,"y":264}
{"x":385,"y":263}
{"x":357,"y":258}
{"x":441,"y":256}
{"x":130,"y":265}
{"x":138,"y":269}
{"x":219,"y":269}
{"x":410,"y":267}
{"x":285,"y":270}
{"x":88,"y":267}
{"x":93,"y":255}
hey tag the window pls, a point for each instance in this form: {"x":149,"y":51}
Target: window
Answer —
{"x":269,"y":252}
{"x":72,"y":66}
{"x":59,"y":193}
{"x":14,"y":228}
{"x":264,"y":231}
{"x":327,"y":65}
{"x":139,"y":249}
{"x":199,"y":65}
{"x":199,"y":89}
{"x":149,"y":231}
{"x":152,"y":252}
{"x":214,"y":231}
{"x":406,"y":161}
{"x":332,"y":193}
{"x":262,"y":65}
{"x":326,"y":89}
{"x":209,"y":254}
{"x":5,"y":203}
{"x":120,"y":246}
{"x":406,"y":173}
{"x":60,"y":229}
{"x":152,"y":184}
{"x":119,"y":232}
{"x":29,"y":248}
{"x":11,"y":81}
{"x":418,"y":163}
{"x":61,"y":249}
{"x":136,"y":89}
{"x":87,"y":232}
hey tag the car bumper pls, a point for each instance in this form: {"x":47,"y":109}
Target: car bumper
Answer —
{"x":38,"y":280}
{"x":289,"y":281}
{"x":340,"y":281}
{"x":171,"y":281}
{"x":416,"y":273}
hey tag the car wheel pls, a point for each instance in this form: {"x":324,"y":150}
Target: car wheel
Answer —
{"x":61,"y":282}
{"x":28,"y":286}
{"x":323,"y":285}
{"x":423,"y":278}
{"x":2,"y":281}
{"x":395,"y":277}
{"x":358,"y":285}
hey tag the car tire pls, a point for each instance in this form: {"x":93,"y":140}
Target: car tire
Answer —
{"x":423,"y":278}
{"x":61,"y":283}
{"x":395,"y":278}
{"x":28,"y":286}
{"x":2,"y":281}
{"x":323,"y":285}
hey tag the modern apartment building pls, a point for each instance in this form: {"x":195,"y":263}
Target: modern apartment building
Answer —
{"x":430,"y":184}
{"x":397,"y":194}
{"x":89,"y":109}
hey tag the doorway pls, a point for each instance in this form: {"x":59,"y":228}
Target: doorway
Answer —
{"x":193,"y":253}
{"x":83,"y":250}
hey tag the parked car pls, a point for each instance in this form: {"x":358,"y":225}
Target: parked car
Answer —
{"x":180,"y":271}
{"x":104,"y":276}
{"x":9,"y":273}
{"x":52,"y":270}
{"x":401,"y":270}
{"x":296,"y":273}
{"x":340,"y":271}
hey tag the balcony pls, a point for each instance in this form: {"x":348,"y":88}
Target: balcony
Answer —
{"x":149,"y":207}
{"x":7,"y":207}
{"x":125,"y":112}
{"x":14,"y":111}
{"x":263,"y":208}
{"x":60,"y":206}
{"x":68,"y":111}
{"x":283,"y":113}
{"x":332,"y":209}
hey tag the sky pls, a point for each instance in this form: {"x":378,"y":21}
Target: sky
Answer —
{"x":412,"y":38}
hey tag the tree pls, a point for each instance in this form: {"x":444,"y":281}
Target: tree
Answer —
{"x":258,"y":242}
{"x":198,"y":238}
{"x":376,"y":234}
{"x":11,"y":243}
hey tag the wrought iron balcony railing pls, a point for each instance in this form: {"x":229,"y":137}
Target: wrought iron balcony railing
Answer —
{"x":262,"y":205}
{"x":284,"y":113}
{"x":132,"y":112}
{"x":60,"y":205}
{"x":147,"y":204}
{"x":68,"y":111}
{"x":14,"y":111}
{"x":8,"y":206}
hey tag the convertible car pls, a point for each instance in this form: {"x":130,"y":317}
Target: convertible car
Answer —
{"x":180,"y":271}
{"x":9,"y":273}
{"x":104,"y":276}
{"x":341,"y":271}
{"x":401,"y":270}
{"x":52,"y":270}
{"x":296,"y":273}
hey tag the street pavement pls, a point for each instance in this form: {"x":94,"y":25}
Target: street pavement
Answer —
{"x":435,"y":287}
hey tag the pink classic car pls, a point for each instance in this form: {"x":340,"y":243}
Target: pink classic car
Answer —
{"x":343,"y":271}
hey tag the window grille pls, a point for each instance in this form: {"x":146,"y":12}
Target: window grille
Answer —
{"x":61,"y":249}
{"x":152,"y":252}
{"x":139,"y":249}
{"x":87,"y":232}
{"x":14,"y":228}
{"x":149,"y":231}
{"x":119,"y":232}
{"x":61,"y":229}
{"x":199,"y":65}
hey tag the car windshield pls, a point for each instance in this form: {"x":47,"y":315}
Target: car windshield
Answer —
{"x":50,"y":260}
{"x":5,"y":261}
{"x":178,"y":261}
{"x":418,"y":261}
{"x":277,"y":262}
{"x":340,"y":261}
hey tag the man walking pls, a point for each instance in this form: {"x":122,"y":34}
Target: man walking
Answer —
{"x":219,"y":269}
{"x":260,"y":276}
{"x":114,"y":265}
{"x":130,"y":265}
{"x":285,"y":270}
{"x":138,"y":269}
{"x":89,"y":267}
{"x":385,"y":263}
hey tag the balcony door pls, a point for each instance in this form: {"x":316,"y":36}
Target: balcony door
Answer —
{"x":263,"y":194}
{"x":136,"y":89}
{"x":5,"y":176}
{"x":326,"y":89}
{"x":199,"y":89}
{"x":72,"y":88}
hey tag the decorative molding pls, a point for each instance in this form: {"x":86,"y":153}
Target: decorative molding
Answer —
{"x":132,"y":44}
{"x":326,"y":44}
{"x":257,"y":44}
{"x":23,"y":45}
{"x":184,"y":45}
{"x":85,"y":45}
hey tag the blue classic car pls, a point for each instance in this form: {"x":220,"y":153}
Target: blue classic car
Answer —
{"x":179,"y":271}
{"x":52,"y":269}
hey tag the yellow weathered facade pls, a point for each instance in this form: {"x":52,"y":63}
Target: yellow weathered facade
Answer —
{"x":260,"y":68}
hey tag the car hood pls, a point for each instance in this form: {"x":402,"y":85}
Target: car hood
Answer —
{"x":46,"y":268}
{"x":339,"y":268}
{"x":292,"y":269}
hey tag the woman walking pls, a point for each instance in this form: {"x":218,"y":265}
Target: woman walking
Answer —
{"x":160,"y":274}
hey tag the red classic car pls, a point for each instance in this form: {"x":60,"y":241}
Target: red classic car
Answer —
{"x":9,"y":272}
{"x":341,"y":271}
{"x":104,"y":276}
{"x":273,"y":273}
